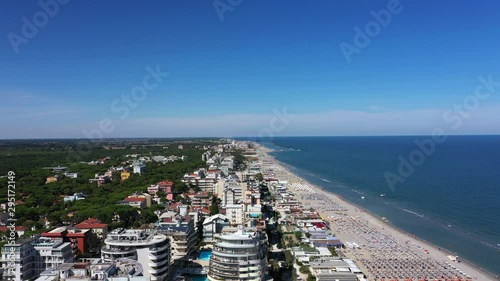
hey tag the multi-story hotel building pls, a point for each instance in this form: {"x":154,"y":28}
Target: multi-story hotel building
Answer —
{"x":239,"y":254}
{"x":147,"y":247}
{"x":32,"y":256}
{"x":182,"y":234}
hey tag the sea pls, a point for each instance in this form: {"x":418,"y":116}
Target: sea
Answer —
{"x":446,"y":192}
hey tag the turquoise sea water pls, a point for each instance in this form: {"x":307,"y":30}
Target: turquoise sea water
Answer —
{"x":451,"y":199}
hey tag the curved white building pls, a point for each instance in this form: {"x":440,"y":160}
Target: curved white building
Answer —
{"x":241,"y":255}
{"x":147,"y":247}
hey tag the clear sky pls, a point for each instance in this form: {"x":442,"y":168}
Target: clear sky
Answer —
{"x":233,"y":64}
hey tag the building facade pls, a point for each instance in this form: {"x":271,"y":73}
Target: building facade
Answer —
{"x":239,"y":255}
{"x":33,"y":256}
{"x":148,"y":247}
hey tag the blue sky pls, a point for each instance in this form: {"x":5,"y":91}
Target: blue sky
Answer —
{"x":228,"y":77}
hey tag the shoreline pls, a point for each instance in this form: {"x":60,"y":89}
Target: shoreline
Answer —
{"x":388,"y":223}
{"x":436,"y":252}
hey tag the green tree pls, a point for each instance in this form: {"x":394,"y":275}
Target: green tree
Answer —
{"x":298,"y":235}
{"x":333,"y":251}
{"x":214,"y":206}
{"x":304,"y":269}
{"x":94,"y":243}
{"x":148,"y":216}
{"x":310,"y":277}
{"x":195,"y":188}
{"x":161,"y":194}
{"x":199,"y":233}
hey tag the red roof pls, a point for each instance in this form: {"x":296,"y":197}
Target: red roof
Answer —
{"x":134,"y":199}
{"x":4,"y":228}
{"x":174,"y":206}
{"x":165,"y":183}
{"x":319,"y":224}
{"x":90,"y":224}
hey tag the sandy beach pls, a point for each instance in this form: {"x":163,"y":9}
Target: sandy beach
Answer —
{"x":382,"y":251}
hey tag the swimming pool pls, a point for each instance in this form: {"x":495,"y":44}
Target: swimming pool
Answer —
{"x":199,"y":278}
{"x":205,"y":255}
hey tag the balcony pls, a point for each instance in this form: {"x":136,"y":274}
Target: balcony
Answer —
{"x":216,"y":272}
{"x":249,"y":268}
{"x":158,"y":265}
{"x":222,"y":266}
{"x":158,"y":249}
{"x":250,"y":262}
{"x":226,"y":261}
{"x":157,"y":257}
{"x":254,"y":274}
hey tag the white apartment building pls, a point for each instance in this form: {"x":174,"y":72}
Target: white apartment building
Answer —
{"x":213,"y":225}
{"x":235,"y":214}
{"x":239,"y":254}
{"x":204,"y":180}
{"x":149,"y":248}
{"x":34,"y":255}
{"x":231,"y":191}
{"x":138,"y":167}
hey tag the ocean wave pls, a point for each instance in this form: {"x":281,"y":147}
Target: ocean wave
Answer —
{"x":357,"y":191}
{"x":496,"y":247}
{"x":414,"y":213}
{"x":324,"y":180}
{"x":286,"y":147}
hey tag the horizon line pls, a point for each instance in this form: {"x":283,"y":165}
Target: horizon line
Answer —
{"x":235,"y":137}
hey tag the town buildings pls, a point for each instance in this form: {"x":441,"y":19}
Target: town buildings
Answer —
{"x":52,"y":179}
{"x":138,"y":167}
{"x":165,"y":186}
{"x":148,"y":247}
{"x":200,"y":199}
{"x":235,"y":213}
{"x":204,"y":179}
{"x":96,"y":269}
{"x":100,"y":179}
{"x":76,"y":237}
{"x":32,"y":256}
{"x":124,"y":175}
{"x":95,"y":225}
{"x":238,"y":254}
{"x":213,"y":225}
{"x":180,"y":229}
{"x":76,"y":196}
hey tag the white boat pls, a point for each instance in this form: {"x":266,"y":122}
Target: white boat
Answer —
{"x":382,"y":195}
{"x":362,"y":197}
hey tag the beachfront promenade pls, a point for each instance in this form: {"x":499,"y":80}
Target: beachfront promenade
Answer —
{"x":381,"y":251}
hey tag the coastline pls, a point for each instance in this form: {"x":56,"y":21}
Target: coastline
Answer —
{"x":413,"y":243}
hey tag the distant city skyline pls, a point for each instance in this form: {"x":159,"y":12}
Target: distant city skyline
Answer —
{"x":177,"y":69}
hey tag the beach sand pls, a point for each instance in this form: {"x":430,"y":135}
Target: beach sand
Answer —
{"x":383,"y":249}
